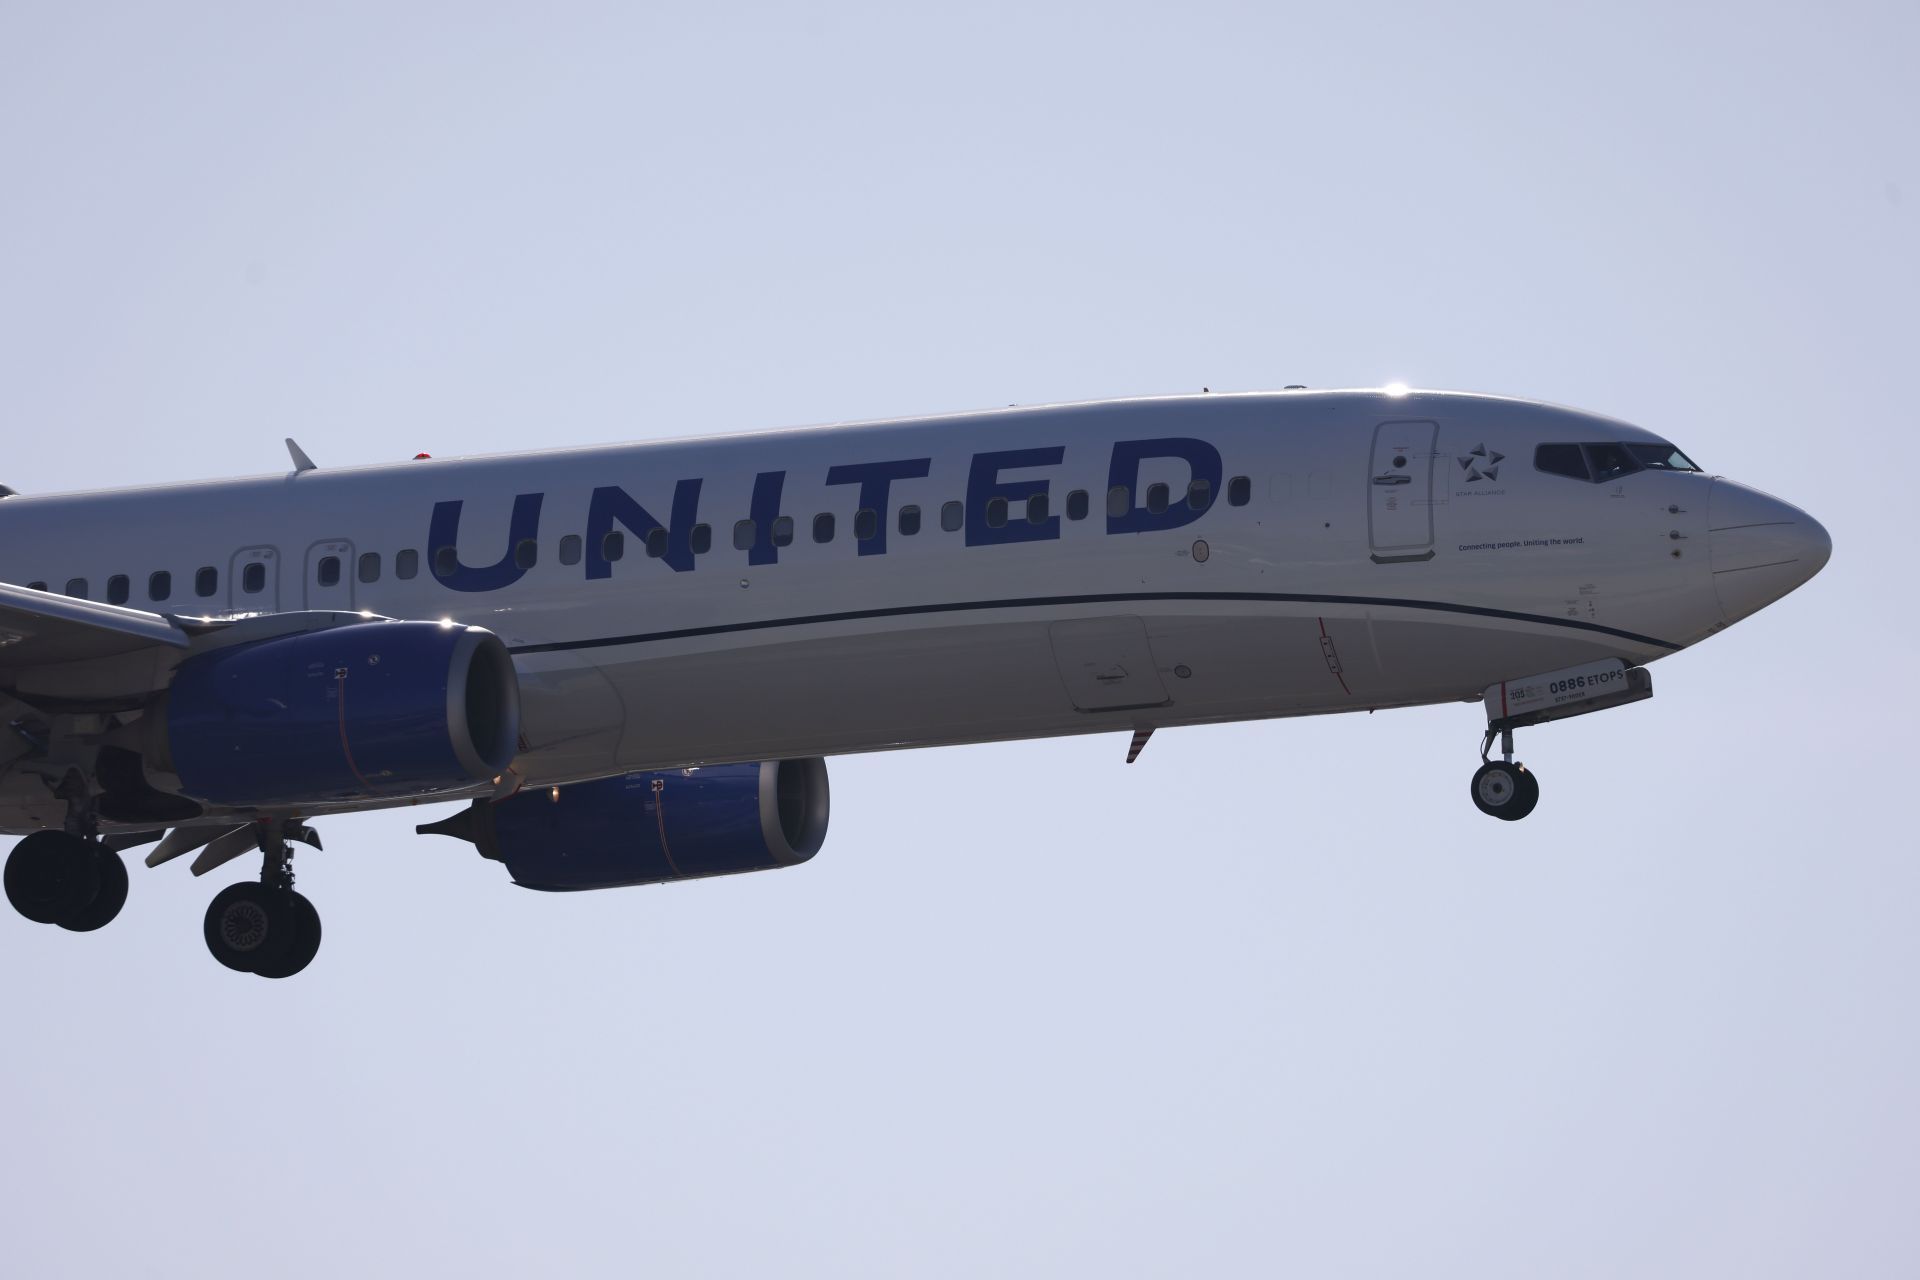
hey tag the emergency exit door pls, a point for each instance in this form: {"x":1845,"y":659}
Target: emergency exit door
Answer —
{"x":329,"y":576}
{"x":253,"y":580}
{"x":1400,"y":492}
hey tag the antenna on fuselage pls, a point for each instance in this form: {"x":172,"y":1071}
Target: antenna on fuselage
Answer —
{"x":301,"y":462}
{"x":1139,"y":743}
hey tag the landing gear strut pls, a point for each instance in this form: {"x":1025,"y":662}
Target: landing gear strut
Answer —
{"x":1504,"y":788}
{"x":1507,"y":789}
{"x":266,"y":928}
{"x":67,"y":877}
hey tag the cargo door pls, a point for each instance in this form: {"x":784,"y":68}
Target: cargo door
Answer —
{"x":1106,"y":664}
{"x":1400,"y":492}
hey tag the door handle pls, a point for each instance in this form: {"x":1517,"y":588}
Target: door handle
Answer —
{"x":1393,"y":479}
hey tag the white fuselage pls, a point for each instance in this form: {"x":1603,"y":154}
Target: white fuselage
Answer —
{"x":1376,"y":554}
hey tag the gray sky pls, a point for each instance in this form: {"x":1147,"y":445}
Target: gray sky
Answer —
{"x":1276,"y":1000}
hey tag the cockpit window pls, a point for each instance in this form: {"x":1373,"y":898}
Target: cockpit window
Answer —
{"x":1610,"y":462}
{"x":1661,"y":457}
{"x":1600,"y":462}
{"x":1561,"y":460}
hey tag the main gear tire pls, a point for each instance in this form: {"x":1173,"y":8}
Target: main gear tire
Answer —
{"x":250,"y":927}
{"x":107,"y":899}
{"x":306,"y":943}
{"x":52,"y":875}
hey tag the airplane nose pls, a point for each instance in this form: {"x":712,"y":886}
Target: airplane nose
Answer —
{"x":1761,"y":547}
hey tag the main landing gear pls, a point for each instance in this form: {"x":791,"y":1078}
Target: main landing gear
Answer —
{"x":77,"y":880}
{"x":68,"y":879}
{"x":266,"y":928}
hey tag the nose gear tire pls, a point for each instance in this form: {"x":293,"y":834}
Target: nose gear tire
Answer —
{"x":1505,"y":791}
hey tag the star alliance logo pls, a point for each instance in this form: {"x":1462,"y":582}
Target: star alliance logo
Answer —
{"x":1481,"y":464}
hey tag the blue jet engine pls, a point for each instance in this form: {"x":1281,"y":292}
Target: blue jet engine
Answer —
{"x":645,"y":828}
{"x":367,"y":710}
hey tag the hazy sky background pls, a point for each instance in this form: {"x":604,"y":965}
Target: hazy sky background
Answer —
{"x":1275,"y":1000}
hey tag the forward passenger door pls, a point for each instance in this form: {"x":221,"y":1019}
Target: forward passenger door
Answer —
{"x":1400,"y":492}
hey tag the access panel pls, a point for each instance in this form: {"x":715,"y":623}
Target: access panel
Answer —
{"x":1106,"y":663}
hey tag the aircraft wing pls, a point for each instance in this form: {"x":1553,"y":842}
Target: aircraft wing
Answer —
{"x":38,"y":628}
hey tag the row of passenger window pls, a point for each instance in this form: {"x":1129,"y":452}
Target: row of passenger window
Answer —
{"x":866,"y":525}
{"x":746,"y":534}
{"x":206,"y":584}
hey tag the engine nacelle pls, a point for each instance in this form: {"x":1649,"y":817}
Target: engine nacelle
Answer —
{"x":645,"y":828}
{"x":367,"y":710}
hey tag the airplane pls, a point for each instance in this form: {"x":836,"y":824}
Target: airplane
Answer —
{"x":631,"y":661}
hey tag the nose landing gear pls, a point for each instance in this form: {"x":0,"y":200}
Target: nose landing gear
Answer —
{"x":266,"y":928}
{"x":1507,"y":789}
{"x":1504,"y":788}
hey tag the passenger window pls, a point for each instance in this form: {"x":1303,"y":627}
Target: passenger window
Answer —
{"x":526,"y":553}
{"x":570,"y":549}
{"x":206,"y":581}
{"x":406,"y":564}
{"x":1157,"y":497}
{"x":866,"y":524}
{"x":1119,"y":502}
{"x":1077,"y":505}
{"x":370,"y":566}
{"x":1239,"y":491}
{"x":36,"y":586}
{"x":1560,"y":460}
{"x":952,"y":516}
{"x":700,"y":541}
{"x":77,"y":588}
{"x":1037,"y":509}
{"x":909,"y":520}
{"x":446,"y":562}
{"x":253,"y":578}
{"x":744,"y":532}
{"x":657,"y":540}
{"x":996,"y":513}
{"x":823,"y":527}
{"x":1610,"y":462}
{"x":118,"y":589}
{"x":329,"y":571}
{"x":783,"y":531}
{"x":613,"y":546}
{"x":159,"y":585}
{"x":1200,"y":495}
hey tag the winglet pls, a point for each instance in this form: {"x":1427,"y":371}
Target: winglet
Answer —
{"x":301,"y":462}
